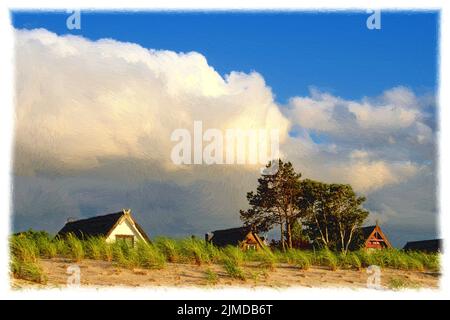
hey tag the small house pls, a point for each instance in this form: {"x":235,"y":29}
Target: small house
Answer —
{"x":242,"y":237}
{"x":114,"y":226}
{"x":430,"y":246}
{"x":374,"y":238}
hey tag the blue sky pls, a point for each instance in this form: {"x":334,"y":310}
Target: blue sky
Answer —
{"x":334,"y":52}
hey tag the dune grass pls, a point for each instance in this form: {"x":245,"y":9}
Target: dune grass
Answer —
{"x":211,"y":276}
{"x":26,"y":250}
{"x":233,"y":269}
{"x":24,"y":259}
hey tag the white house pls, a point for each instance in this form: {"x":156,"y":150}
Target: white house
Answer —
{"x":112,"y":227}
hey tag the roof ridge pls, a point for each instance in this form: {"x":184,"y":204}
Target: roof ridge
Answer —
{"x":96,"y":217}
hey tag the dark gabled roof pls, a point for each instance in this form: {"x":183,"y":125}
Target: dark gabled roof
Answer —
{"x":92,"y":227}
{"x":366,"y":231}
{"x":99,"y":226}
{"x":222,"y":238}
{"x":432,"y":245}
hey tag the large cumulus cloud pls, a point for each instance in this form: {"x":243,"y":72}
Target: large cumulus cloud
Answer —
{"x":94,"y":120}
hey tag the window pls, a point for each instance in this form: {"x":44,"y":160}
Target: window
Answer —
{"x":126,"y":238}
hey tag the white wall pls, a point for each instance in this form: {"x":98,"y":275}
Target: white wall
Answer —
{"x":126,"y":227}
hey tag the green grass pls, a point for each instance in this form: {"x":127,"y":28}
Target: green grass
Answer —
{"x":169,"y":248}
{"x":26,"y":250}
{"x":27,"y":270}
{"x":74,"y":248}
{"x":350,"y":260}
{"x":195,"y":251}
{"x":266,"y":258}
{"x":233,"y":269}
{"x":211,"y":276}
{"x":150,"y":257}
{"x":398,"y":283}
{"x":235,"y":254}
{"x":299,"y":258}
{"x":24,"y":259}
{"x":326,"y":258}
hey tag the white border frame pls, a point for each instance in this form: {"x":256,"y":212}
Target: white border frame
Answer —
{"x":6,"y":132}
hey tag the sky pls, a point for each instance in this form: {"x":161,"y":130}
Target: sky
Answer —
{"x":95,"y":109}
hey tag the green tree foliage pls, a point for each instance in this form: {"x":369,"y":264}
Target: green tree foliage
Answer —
{"x":275,"y":202}
{"x":334,"y":215}
{"x":329,"y":214}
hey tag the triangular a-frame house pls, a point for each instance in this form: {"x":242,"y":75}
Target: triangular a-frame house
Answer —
{"x":114,"y":226}
{"x":374,"y":238}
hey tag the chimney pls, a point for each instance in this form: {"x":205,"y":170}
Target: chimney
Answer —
{"x":208,"y":236}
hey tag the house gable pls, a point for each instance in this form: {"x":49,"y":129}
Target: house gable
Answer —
{"x":375,"y":239}
{"x":251,"y":241}
{"x":125,"y":227}
{"x":111,"y":227}
{"x":242,"y":237}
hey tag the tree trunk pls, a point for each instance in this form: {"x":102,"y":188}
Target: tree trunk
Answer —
{"x":289,"y":232}
{"x":283,"y":245}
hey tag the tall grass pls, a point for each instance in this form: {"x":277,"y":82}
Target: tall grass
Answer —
{"x":326,"y":258}
{"x":149,"y":256}
{"x":266,"y":258}
{"x":299,"y":258}
{"x":233,"y":269}
{"x":195,"y":251}
{"x":235,"y":254}
{"x":26,"y":249}
{"x":94,"y":248}
{"x":350,"y":260}
{"x":74,"y":247}
{"x":169,"y":248}
{"x":24,"y":259}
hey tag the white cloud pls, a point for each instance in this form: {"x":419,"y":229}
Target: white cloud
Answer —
{"x":79,"y":101}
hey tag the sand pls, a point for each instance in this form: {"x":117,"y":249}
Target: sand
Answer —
{"x":95,"y":273}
